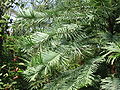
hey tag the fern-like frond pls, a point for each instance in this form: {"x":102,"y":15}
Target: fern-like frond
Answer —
{"x":77,"y":78}
{"x":114,"y":47}
{"x":118,"y":20}
{"x":39,"y":37}
{"x":30,"y":14}
{"x":110,"y":83}
{"x":113,"y":52}
{"x":44,"y":64}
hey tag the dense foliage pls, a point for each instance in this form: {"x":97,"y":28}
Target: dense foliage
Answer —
{"x":61,"y":45}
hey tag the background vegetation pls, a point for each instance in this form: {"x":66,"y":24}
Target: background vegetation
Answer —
{"x":60,"y":45}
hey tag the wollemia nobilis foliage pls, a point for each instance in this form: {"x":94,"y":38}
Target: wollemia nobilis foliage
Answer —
{"x":68,"y":44}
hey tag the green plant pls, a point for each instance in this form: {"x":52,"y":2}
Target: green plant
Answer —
{"x":110,"y":83}
{"x":63,"y":44}
{"x":10,"y":64}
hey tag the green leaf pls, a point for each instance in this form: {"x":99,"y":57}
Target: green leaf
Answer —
{"x":77,"y":78}
{"x":110,"y":83}
{"x":3,"y":21}
{"x":39,"y":37}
